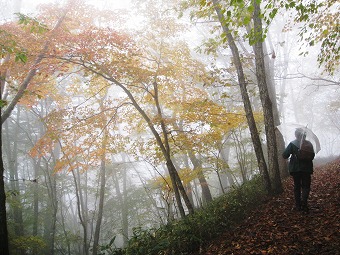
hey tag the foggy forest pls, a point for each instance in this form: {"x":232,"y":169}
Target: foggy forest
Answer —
{"x":124,"y":124}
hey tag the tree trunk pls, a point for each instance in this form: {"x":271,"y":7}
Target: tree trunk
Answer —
{"x":101,"y":202}
{"x":125,"y":214}
{"x":266,"y":101}
{"x":62,"y":219}
{"x":206,"y":194}
{"x":245,"y":98}
{"x":121,"y":195}
{"x":164,"y":147}
{"x":52,"y":205}
{"x":188,"y":186}
{"x":4,"y":248}
{"x":172,"y":173}
{"x":225,"y":157}
{"x":102,"y":183}
{"x":81,"y":214}
{"x":177,"y":184}
{"x":284,"y":168}
{"x":36,"y":200}
{"x":12,"y":152}
{"x":269,"y":65}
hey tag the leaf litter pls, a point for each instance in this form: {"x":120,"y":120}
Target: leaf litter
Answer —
{"x":274,"y":228}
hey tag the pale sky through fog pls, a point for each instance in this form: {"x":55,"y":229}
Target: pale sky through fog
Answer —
{"x":9,"y":7}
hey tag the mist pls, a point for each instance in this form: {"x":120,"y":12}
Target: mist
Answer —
{"x":132,"y":117}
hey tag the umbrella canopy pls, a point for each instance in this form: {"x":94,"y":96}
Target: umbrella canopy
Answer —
{"x":288,"y":130}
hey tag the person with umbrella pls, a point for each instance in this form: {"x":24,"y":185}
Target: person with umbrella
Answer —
{"x":301,"y":153}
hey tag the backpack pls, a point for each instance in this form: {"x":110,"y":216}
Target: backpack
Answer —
{"x":306,"y":151}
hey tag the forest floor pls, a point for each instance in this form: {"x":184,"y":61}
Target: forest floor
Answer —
{"x":275,"y":228}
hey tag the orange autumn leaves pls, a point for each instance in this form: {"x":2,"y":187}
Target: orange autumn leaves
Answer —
{"x":84,"y":57}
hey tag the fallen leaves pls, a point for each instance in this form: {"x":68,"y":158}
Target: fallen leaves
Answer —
{"x":275,"y":229}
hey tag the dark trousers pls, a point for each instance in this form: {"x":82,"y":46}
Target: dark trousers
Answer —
{"x":302,"y":183}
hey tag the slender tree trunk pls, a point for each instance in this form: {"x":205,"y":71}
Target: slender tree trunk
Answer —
{"x":125,"y":213}
{"x":173,"y":178}
{"x":284,"y":169}
{"x":102,"y":183}
{"x":12,"y":152}
{"x":36,"y":199}
{"x":52,"y":205}
{"x":206,"y":194}
{"x":245,"y":98}
{"x":62,"y":219}
{"x":188,"y":186}
{"x":164,"y":147}
{"x":267,"y":104}
{"x":121,"y":195}
{"x":80,"y":209}
{"x":172,"y":169}
{"x":37,"y":165}
{"x":4,"y":248}
{"x":101,"y":200}
{"x":240,"y":156}
{"x":225,"y":157}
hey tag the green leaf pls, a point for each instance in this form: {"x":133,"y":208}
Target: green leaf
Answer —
{"x":246,"y":20}
{"x":21,"y":56}
{"x":2,"y":103}
{"x":273,"y":13}
{"x":203,"y":3}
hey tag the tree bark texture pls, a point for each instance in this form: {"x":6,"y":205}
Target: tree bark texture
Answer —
{"x":245,"y":98}
{"x":266,"y":102}
{"x":269,"y":65}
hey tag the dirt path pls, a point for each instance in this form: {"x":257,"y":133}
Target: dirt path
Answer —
{"x":276,"y":229}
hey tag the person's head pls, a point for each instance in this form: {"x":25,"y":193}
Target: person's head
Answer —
{"x":300,"y":133}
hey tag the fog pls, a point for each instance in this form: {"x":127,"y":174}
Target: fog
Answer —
{"x":83,"y":165}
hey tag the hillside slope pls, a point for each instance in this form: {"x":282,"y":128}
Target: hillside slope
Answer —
{"x":275,"y":229}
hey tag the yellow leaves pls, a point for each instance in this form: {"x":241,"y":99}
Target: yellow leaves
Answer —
{"x":60,"y":165}
{"x":211,"y":114}
{"x":70,"y":165}
{"x":164,"y":182}
{"x":43,"y":146}
{"x":152,"y":64}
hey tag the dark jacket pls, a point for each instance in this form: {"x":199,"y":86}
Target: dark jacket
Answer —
{"x":296,"y":165}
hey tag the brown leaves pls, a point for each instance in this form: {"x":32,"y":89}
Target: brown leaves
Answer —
{"x":275,"y":229}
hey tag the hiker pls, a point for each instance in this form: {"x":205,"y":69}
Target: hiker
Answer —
{"x":301,"y":154}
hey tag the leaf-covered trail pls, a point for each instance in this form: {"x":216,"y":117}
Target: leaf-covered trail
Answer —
{"x":276,"y":229}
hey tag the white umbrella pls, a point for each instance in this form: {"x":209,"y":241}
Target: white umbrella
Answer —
{"x":289,"y":131}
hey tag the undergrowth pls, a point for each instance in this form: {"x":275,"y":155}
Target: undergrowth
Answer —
{"x":187,"y":236}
